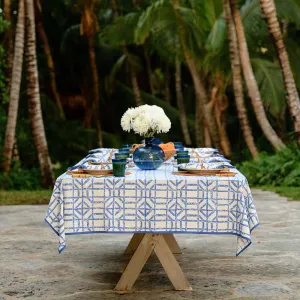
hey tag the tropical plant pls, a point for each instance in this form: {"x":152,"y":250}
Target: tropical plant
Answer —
{"x":10,"y":133}
{"x":35,"y":111}
{"x":280,"y":169}
{"x":237,"y":81}
{"x":47,"y":48}
{"x":251,"y":83}
{"x":9,"y":41}
{"x":269,"y":11}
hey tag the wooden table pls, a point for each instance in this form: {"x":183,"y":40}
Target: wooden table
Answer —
{"x":164,"y":246}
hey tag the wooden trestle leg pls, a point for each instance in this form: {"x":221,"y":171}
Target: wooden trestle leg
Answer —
{"x":158,"y":243}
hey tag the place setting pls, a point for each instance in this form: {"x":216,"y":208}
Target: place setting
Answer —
{"x":138,"y":188}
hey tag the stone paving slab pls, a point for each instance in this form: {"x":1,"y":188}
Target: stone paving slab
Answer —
{"x":91,"y":265}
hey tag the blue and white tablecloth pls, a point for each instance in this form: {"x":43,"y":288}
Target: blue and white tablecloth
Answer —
{"x":153,"y":201}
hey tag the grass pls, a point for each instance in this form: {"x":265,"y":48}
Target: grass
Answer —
{"x":25,"y":197}
{"x":43,"y":196}
{"x":292,"y":193}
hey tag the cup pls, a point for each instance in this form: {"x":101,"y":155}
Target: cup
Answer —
{"x":184,"y":159}
{"x":178,"y":146}
{"x":182,"y":152}
{"x":121,"y":156}
{"x":119,"y":166}
{"x":124,"y":151}
{"x":126,"y":146}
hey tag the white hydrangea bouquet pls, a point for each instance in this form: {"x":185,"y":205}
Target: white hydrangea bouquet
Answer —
{"x":146,"y":120}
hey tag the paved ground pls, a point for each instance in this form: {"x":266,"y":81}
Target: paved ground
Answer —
{"x":31,"y":268}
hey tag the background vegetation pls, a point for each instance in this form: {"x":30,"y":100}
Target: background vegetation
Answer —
{"x":111,"y":55}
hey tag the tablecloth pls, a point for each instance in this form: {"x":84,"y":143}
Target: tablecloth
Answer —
{"x":153,"y":201}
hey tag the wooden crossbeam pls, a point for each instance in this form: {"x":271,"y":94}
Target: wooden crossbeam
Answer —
{"x":137,"y":237}
{"x":148,"y":243}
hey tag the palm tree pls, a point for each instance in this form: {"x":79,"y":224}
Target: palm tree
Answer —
{"x":9,"y":39}
{"x":88,"y":27}
{"x":35,"y":112}
{"x":14,"y":92}
{"x":219,"y":102}
{"x":237,"y":81}
{"x":201,"y":97}
{"x":133,"y":75}
{"x":251,"y":83}
{"x":149,"y":68}
{"x":269,"y":11}
{"x":167,"y":90}
{"x":180,"y":104}
{"x":47,"y":50}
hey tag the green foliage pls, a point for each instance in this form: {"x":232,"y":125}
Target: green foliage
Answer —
{"x":3,"y":90}
{"x":21,"y":179}
{"x":151,"y":27}
{"x":280,"y":169}
{"x":270,"y":82}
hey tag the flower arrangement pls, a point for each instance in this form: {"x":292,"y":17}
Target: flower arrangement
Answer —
{"x":145,"y":120}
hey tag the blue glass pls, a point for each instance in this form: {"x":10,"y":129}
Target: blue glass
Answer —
{"x":156,"y":141}
{"x":126,"y":146}
{"x":124,"y":151}
{"x":148,"y":157}
{"x":177,"y":144}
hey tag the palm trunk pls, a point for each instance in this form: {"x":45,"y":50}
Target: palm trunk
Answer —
{"x":269,"y":11}
{"x":222,"y":123}
{"x":35,"y":112}
{"x":9,"y":40}
{"x":149,"y":72}
{"x":50,"y":62}
{"x":133,"y":76}
{"x":251,"y":83}
{"x":180,"y":104}
{"x":237,"y":82}
{"x":201,"y":97}
{"x":219,"y":104}
{"x":200,"y":126}
{"x":167,"y":86}
{"x":95,"y":79}
{"x":207,"y":139}
{"x":135,"y":87}
{"x":10,"y":133}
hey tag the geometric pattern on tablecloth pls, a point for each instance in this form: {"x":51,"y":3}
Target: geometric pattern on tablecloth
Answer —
{"x":153,"y":201}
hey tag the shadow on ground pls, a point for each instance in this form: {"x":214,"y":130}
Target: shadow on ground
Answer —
{"x":91,"y":265}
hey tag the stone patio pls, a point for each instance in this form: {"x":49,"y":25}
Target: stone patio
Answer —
{"x":91,"y":265}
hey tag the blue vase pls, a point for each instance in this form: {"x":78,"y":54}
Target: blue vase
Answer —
{"x":148,"y":157}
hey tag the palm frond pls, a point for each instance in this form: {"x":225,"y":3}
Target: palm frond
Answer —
{"x":70,"y":36}
{"x":158,"y":16}
{"x":269,"y":79}
{"x":121,"y":31}
{"x":289,"y":10}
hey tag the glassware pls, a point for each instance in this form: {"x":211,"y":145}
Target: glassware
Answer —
{"x":178,"y":146}
{"x":121,"y":156}
{"x":183,"y":159}
{"x":126,"y":146}
{"x":181,"y":152}
{"x":124,"y":151}
{"x":119,"y":166}
{"x":148,"y":157}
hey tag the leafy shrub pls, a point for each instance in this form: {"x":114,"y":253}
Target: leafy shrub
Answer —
{"x":21,"y":179}
{"x":280,"y":169}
